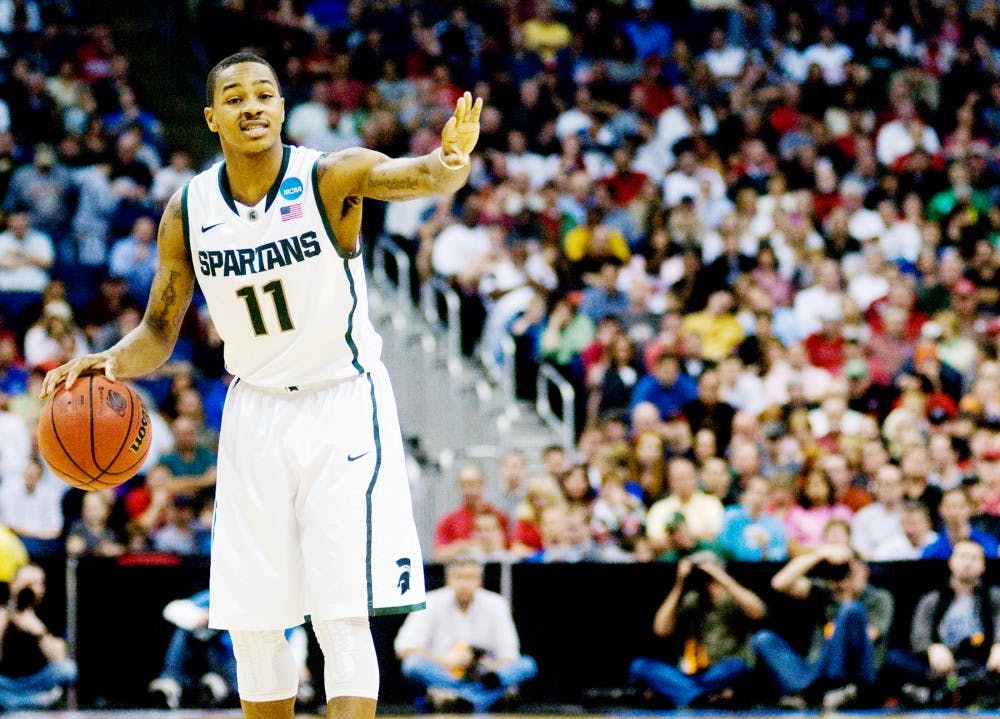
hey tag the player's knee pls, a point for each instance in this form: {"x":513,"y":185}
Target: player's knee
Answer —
{"x":265,"y":667}
{"x":350,"y":666}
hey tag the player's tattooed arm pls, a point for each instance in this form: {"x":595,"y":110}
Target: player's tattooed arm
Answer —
{"x":150,"y":344}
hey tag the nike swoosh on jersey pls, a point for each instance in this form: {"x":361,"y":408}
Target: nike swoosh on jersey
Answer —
{"x":356,"y":457}
{"x":209,"y":227}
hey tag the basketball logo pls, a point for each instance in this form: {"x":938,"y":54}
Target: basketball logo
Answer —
{"x":117,"y":403}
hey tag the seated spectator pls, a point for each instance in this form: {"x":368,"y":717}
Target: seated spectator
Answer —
{"x":489,"y":542}
{"x":464,"y":649}
{"x":183,"y":533}
{"x":849,"y":621}
{"x":30,"y":505}
{"x":134,"y":258}
{"x":618,"y":517}
{"x":711,"y":616}
{"x":453,"y":533}
{"x":954,"y":635}
{"x":749,"y":533}
{"x":526,"y":535}
{"x":881,"y":521}
{"x":34,"y":666}
{"x":918,"y":532}
{"x":25,"y":258}
{"x":955,"y":513}
{"x":90,"y":535}
{"x":13,"y":375}
{"x":715,"y":326}
{"x":702,"y":513}
{"x":192,"y":468}
{"x":666,"y":386}
{"x":816,"y":505}
{"x":54,"y":338}
{"x":710,"y":412}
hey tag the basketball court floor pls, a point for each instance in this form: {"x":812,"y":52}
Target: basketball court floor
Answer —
{"x":232,"y":714}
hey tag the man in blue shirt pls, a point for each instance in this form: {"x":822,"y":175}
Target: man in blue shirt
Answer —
{"x":667,"y":387}
{"x":748,"y":533}
{"x":955,"y":511}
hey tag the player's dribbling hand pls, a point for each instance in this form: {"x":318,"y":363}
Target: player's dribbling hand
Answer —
{"x":460,"y":133}
{"x":74,"y":368}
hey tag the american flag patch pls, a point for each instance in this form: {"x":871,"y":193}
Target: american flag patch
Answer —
{"x":291,"y":212}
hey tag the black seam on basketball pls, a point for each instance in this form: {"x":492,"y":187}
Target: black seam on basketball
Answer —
{"x":55,"y":432}
{"x":128,"y":432}
{"x":136,"y":403}
{"x":93,"y":446}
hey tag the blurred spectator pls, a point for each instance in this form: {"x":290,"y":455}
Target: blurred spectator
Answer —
{"x":749,"y":533}
{"x":702,"y":513}
{"x":34,"y":666}
{"x":526,"y":535}
{"x":712,"y":616}
{"x":54,"y":338}
{"x":183,"y":533}
{"x":453,"y":532}
{"x":955,"y":512}
{"x":12,"y":554}
{"x":170,"y":178}
{"x":807,"y":519}
{"x":463,"y":651}
{"x":26,"y":255}
{"x":134,"y":258}
{"x":91,"y":535}
{"x":849,"y":622}
{"x":880,"y":522}
{"x":191,"y":466}
{"x":15,"y":443}
{"x":43,"y":189}
{"x":918,"y":533}
{"x":666,"y":387}
{"x":32,"y":507}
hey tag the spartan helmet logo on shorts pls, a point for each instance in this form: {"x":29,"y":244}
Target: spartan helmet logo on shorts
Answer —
{"x":404,"y":576}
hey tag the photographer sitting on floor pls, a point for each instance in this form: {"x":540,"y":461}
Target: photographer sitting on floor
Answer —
{"x":33,"y":663}
{"x":463,"y":649}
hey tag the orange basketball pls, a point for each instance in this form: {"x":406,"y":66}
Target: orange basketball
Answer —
{"x":95,"y":435}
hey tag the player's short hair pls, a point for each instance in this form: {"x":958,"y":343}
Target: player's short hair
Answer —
{"x":234,"y":59}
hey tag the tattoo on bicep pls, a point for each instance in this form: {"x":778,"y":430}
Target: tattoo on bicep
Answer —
{"x":164,"y":317}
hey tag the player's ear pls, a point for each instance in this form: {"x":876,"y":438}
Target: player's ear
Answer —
{"x":282,"y":109}
{"x":210,"y":119}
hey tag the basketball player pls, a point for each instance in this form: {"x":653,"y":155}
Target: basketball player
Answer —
{"x":313,"y":512}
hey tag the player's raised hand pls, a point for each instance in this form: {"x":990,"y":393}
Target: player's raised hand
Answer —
{"x":460,"y":133}
{"x":101,"y":362}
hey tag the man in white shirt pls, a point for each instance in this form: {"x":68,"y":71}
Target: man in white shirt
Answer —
{"x":880,"y":521}
{"x":811,"y":303}
{"x":461,"y":247}
{"x":915,"y":520}
{"x":25,"y":258}
{"x":830,"y":55}
{"x":32,"y":508}
{"x":702,"y":512}
{"x":464,"y":647}
{"x":725,"y":61}
{"x":904,"y":134}
{"x":687,"y":179}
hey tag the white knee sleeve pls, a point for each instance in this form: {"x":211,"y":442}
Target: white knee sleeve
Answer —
{"x":265,"y":667}
{"x":350,"y":666}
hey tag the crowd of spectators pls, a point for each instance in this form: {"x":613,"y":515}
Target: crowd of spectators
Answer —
{"x":758,"y":237}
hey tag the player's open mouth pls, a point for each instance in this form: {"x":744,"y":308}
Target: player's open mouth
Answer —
{"x":255,"y":130}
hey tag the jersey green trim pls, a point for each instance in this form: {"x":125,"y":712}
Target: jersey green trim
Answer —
{"x":227,"y":194}
{"x":368,"y":493}
{"x":403,"y":609}
{"x":348,"y":337}
{"x":273,"y":192}
{"x":326,"y":220}
{"x":184,"y":218}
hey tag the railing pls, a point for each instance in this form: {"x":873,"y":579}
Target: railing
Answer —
{"x":500,"y":369}
{"x":429,"y":293}
{"x":564,"y":426}
{"x":383,"y":247}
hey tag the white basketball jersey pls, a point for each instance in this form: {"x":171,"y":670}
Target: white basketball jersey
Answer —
{"x":290,"y":306}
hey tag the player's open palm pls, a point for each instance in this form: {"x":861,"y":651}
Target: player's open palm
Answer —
{"x":460,"y":133}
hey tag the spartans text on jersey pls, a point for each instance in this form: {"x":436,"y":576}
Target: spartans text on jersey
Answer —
{"x":251,"y":260}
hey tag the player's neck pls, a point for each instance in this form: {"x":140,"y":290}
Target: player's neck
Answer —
{"x":251,"y":176}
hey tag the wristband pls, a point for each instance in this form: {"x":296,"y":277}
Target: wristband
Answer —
{"x":440,"y":154}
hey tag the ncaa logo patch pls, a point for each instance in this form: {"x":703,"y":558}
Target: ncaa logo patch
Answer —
{"x":291,"y":188}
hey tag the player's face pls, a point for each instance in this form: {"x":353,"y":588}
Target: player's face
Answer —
{"x":247,"y":110}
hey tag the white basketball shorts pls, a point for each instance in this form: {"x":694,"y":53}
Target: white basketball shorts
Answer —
{"x":312,"y":514}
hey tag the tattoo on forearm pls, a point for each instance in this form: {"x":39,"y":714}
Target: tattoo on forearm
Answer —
{"x":164,"y":318}
{"x":395,"y":183}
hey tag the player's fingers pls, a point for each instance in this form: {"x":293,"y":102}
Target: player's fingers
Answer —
{"x":460,"y":107}
{"x":467,"y":96}
{"x":110,"y":369}
{"x":476,"y":109}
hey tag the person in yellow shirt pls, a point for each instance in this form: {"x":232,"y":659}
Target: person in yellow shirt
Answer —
{"x":12,"y":554}
{"x":544,"y":34}
{"x":716,"y":326}
{"x":587,"y":246}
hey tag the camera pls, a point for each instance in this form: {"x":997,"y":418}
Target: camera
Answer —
{"x":26,"y":599}
{"x":830,"y":571}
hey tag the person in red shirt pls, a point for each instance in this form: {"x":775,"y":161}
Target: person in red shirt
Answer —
{"x":826,"y":347}
{"x":453,"y":533}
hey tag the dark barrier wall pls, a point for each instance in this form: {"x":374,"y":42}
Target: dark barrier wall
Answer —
{"x":583,"y":623}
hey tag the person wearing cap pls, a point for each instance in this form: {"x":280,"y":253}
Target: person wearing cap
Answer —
{"x":43,"y":188}
{"x":711,"y":616}
{"x":649,"y":35}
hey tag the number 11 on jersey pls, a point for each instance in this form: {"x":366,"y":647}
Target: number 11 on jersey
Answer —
{"x":277,"y":292}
